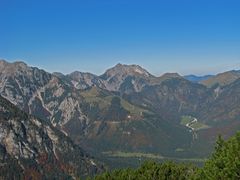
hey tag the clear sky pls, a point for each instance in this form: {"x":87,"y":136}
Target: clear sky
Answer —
{"x":185,"y":36}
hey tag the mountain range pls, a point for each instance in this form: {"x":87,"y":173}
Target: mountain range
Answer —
{"x":126,"y":109}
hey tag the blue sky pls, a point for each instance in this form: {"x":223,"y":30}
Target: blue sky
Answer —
{"x":185,"y":36}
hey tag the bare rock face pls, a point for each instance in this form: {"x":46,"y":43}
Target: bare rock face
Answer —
{"x":42,"y":94}
{"x":85,"y":80}
{"x":121,"y":78}
{"x":118,"y":78}
{"x":19,"y":83}
{"x":56,"y":98}
{"x":35,"y":146}
{"x":129,"y":74}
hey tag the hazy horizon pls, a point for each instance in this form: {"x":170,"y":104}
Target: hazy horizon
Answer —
{"x":157,"y":75}
{"x":187,"y":37}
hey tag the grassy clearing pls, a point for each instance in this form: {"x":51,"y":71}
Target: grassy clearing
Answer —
{"x":131,"y":108}
{"x":120,"y":154}
{"x":179,"y":150}
{"x":198,"y":126}
{"x":186,"y":119}
{"x":93,"y":92}
{"x":94,"y":95}
{"x":132,"y":154}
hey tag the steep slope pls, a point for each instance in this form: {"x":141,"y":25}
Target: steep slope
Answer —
{"x":225,"y":107}
{"x":33,"y":148}
{"x":18,"y":82}
{"x":121,"y":126}
{"x":222,"y":79}
{"x":172,"y":98}
{"x":42,"y":94}
{"x":120,"y":78}
{"x":85,"y":80}
{"x":126,"y":78}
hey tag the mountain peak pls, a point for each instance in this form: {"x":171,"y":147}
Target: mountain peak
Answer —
{"x":20,"y":63}
{"x":119,"y":65}
{"x":116,"y":76}
{"x":16,"y":63}
{"x":125,"y":70}
{"x":13,"y":67}
{"x":2,"y":61}
{"x":171,"y":75}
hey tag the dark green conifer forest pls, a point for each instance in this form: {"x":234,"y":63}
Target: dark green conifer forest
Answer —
{"x":223,"y":164}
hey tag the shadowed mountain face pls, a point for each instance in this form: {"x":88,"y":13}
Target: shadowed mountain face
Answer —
{"x":172,"y":98}
{"x":226,"y":106}
{"x":33,"y":148}
{"x":126,"y":108}
{"x":222,"y":79}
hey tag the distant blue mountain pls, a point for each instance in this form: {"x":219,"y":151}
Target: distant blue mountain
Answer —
{"x":197,"y":79}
